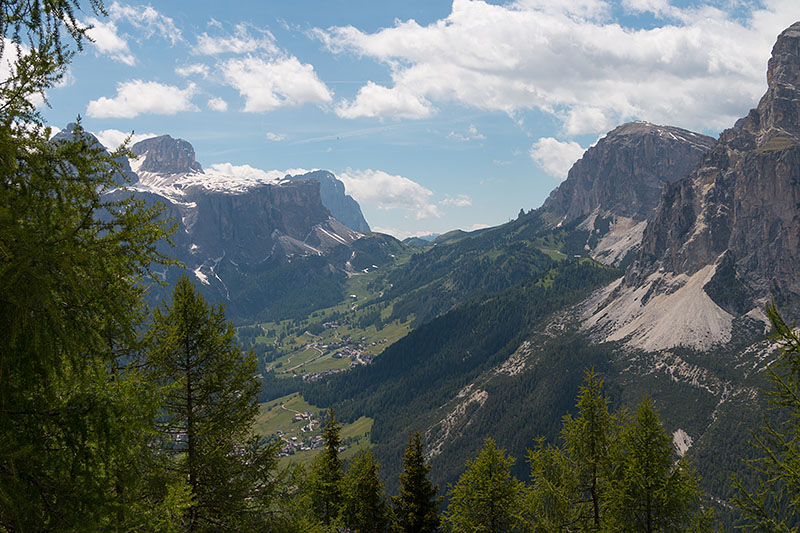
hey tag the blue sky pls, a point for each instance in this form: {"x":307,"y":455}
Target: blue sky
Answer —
{"x":437,"y":115}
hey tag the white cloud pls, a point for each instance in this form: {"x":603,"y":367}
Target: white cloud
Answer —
{"x":112,"y":139}
{"x":701,"y":69}
{"x":136,"y":97}
{"x":196,"y":68}
{"x":476,"y":227}
{"x":276,"y":136}
{"x":470,"y":135}
{"x":269,"y":84}
{"x":387,"y":191}
{"x":240,"y":42}
{"x":401,"y":234}
{"x":217,"y":104}
{"x":106,"y":39}
{"x":377,"y":101}
{"x":554,"y":156}
{"x":147,"y":21}
{"x":461,"y":200}
{"x":251,"y":173}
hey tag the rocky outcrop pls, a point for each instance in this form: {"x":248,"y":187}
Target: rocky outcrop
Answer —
{"x":734,"y":223}
{"x":742,"y":205}
{"x":341,"y":205}
{"x":165,"y":155}
{"x":625,"y":172}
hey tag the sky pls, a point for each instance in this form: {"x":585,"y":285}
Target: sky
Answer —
{"x":437,"y":115}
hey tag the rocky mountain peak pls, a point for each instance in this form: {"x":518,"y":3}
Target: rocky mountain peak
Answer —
{"x":341,"y":205}
{"x":727,"y":238}
{"x":165,"y":155}
{"x":624,"y":173}
{"x":784,"y":65}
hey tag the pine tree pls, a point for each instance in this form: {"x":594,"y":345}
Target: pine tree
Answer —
{"x":365,"y":509}
{"x":209,"y":409}
{"x":486,"y":497}
{"x":416,"y":507}
{"x":325,"y":479}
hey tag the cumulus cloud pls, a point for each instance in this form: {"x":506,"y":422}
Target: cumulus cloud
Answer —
{"x":699,"y":67}
{"x":387,"y":191}
{"x":137,"y":97}
{"x":106,"y":39}
{"x":112,"y":139}
{"x":247,"y":172}
{"x":555,"y":157}
{"x":271,"y":83}
{"x":276,"y":136}
{"x":241,"y":41}
{"x":461,"y":200}
{"x":375,"y":100}
{"x":217,"y":104}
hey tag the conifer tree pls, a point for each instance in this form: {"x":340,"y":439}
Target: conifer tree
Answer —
{"x":486,"y":497}
{"x":587,"y":440}
{"x":774,"y":505}
{"x":416,"y":507}
{"x":653,"y":492}
{"x":74,"y":415}
{"x":365,"y":509}
{"x":550,"y":500}
{"x":209,"y":409}
{"x":325,"y":479}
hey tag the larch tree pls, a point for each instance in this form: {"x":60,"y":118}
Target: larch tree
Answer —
{"x":209,"y":410}
{"x":416,"y":507}
{"x":486,"y":497}
{"x":774,"y":504}
{"x":325,"y":478}
{"x":652,"y":491}
{"x":365,"y":509}
{"x":74,"y":415}
{"x":588,"y":439}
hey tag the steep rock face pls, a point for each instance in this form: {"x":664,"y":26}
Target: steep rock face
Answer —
{"x":166,"y":155}
{"x":733,"y":224}
{"x":266,"y":247}
{"x":625,"y":172}
{"x":341,"y":205}
{"x":743,"y":200}
{"x":246,"y":227}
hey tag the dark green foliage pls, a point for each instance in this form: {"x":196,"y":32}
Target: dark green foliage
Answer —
{"x":74,"y":413}
{"x":365,"y":509}
{"x":325,"y":479}
{"x":428,"y":367}
{"x":588,"y":441}
{"x":416,"y":505}
{"x":772,"y":503}
{"x":650,"y":491}
{"x":276,"y":289}
{"x":209,"y":409}
{"x":487,"y":497}
{"x":612,"y":473}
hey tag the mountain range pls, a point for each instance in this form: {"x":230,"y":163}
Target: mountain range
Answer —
{"x":652,"y":262}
